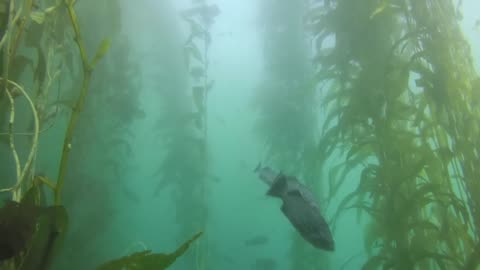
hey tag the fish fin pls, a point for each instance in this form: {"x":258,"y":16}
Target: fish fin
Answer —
{"x":278,"y":187}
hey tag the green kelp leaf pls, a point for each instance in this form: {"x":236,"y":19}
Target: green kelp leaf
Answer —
{"x":38,"y":16}
{"x":101,"y":51}
{"x":145,"y":260}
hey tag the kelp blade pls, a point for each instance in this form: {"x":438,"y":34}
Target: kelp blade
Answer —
{"x":145,"y":260}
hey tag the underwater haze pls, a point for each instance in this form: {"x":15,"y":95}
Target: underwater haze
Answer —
{"x":220,"y":134}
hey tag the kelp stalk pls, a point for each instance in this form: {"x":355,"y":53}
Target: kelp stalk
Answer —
{"x":22,"y":173}
{"x":87,"y":74}
{"x":11,"y":123}
{"x":23,"y":22}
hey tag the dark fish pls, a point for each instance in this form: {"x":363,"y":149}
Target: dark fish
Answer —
{"x":299,"y":206}
{"x":257,"y":241}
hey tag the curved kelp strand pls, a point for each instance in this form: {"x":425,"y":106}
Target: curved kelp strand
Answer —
{"x":146,"y":260}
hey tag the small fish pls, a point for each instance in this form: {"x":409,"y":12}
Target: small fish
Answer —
{"x":299,"y":206}
{"x":257,"y":240}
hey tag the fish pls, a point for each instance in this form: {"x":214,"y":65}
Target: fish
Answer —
{"x":257,"y":240}
{"x":299,"y":206}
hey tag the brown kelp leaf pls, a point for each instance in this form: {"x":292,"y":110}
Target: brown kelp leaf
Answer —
{"x":32,"y":229}
{"x":51,"y":226}
{"x":17,"y":225}
{"x":145,"y":260}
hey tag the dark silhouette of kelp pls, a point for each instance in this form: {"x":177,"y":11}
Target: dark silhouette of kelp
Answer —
{"x":30,"y":234}
{"x":146,"y":260}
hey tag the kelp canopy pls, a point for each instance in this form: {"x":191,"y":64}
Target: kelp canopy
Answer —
{"x":402,"y":97}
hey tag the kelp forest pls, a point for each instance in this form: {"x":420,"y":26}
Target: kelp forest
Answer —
{"x":217,"y":134}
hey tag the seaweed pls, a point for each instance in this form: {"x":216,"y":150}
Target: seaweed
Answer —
{"x":31,"y":234}
{"x":408,"y":140}
{"x":40,"y":228}
{"x":145,"y":260}
{"x":182,"y":131}
{"x":284,"y":105}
